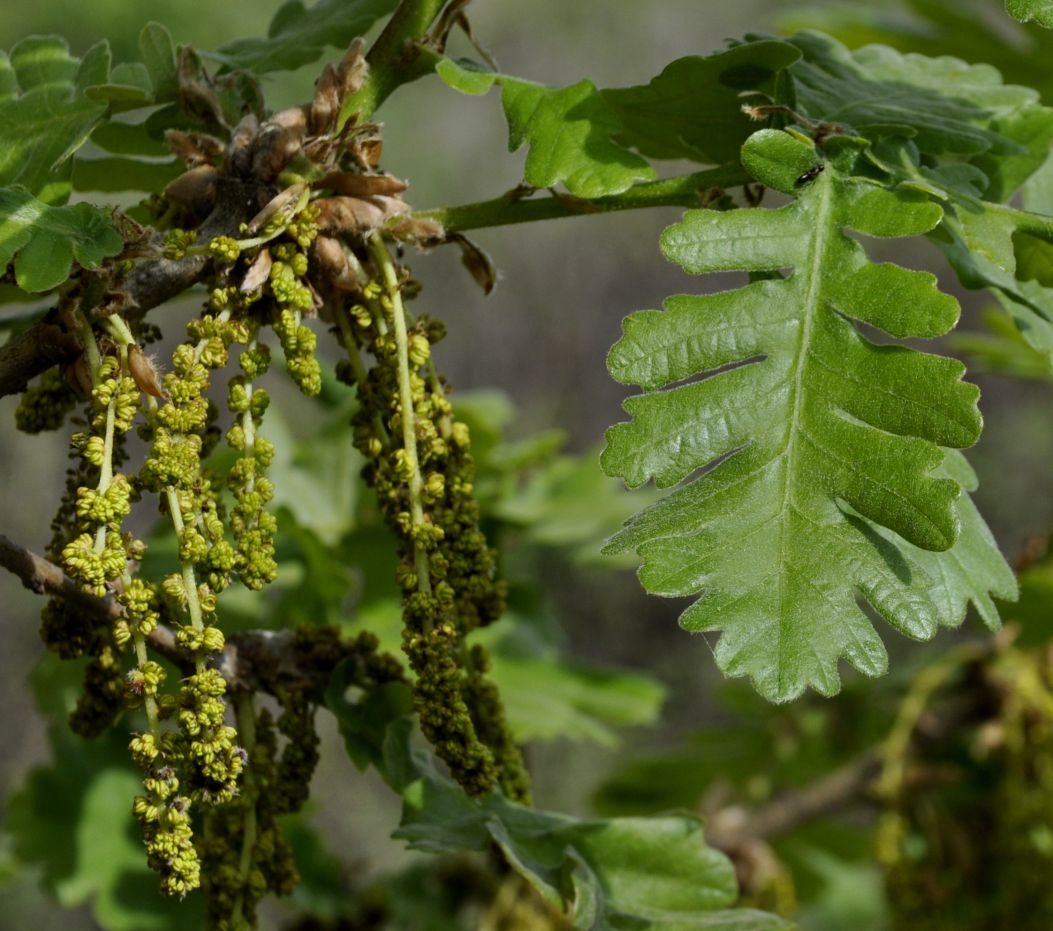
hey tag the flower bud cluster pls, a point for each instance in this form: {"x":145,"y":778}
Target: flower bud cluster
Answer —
{"x":288,"y":285}
{"x":96,"y":556}
{"x":277,"y":783}
{"x":202,"y":760}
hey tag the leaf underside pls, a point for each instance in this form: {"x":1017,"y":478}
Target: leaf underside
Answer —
{"x":825,"y":478}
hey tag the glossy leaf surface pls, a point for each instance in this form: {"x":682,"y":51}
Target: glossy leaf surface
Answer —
{"x":810,"y":435}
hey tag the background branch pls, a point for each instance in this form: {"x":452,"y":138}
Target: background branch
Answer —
{"x":253,"y":659}
{"x":732,"y":828}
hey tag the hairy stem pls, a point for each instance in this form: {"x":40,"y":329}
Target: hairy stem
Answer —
{"x":391,"y":60}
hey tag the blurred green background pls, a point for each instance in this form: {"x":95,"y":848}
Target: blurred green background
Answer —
{"x":542,"y":338}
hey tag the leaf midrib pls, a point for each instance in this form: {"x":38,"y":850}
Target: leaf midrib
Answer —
{"x":811,"y":308}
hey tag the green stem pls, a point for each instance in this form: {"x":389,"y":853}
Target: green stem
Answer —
{"x":91,"y":348}
{"x":248,"y":424}
{"x":409,"y":434}
{"x":123,"y":335}
{"x":193,"y":604}
{"x":172,"y":496}
{"x":149,"y":702}
{"x":513,"y":207}
{"x":392,"y":61}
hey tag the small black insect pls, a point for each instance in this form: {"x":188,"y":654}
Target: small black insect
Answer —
{"x":810,"y":175}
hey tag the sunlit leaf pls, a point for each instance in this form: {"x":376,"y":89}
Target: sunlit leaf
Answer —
{"x":567,"y":130}
{"x":811,"y":435}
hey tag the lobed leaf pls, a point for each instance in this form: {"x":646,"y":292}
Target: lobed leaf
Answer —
{"x":298,"y":35}
{"x":568,"y":131}
{"x":597,"y":142}
{"x":43,"y":241}
{"x":974,"y":30}
{"x":989,"y":245}
{"x":820,"y":449}
{"x":549,"y":698}
{"x":607,"y":874}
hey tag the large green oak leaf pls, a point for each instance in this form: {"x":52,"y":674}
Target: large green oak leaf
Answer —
{"x":820,"y":450}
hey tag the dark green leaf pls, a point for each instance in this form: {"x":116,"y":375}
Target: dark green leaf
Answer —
{"x":158,"y":52}
{"x":44,"y":241}
{"x":123,"y":174}
{"x":973,"y":30}
{"x":129,"y":139}
{"x":808,"y":431}
{"x":992,"y":245}
{"x":298,"y":35}
{"x":693,"y":109}
{"x":948,"y":107}
{"x":128,"y":88}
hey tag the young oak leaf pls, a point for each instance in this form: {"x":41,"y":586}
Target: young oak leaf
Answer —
{"x":820,"y":447}
{"x":1031,"y":11}
{"x":597,"y":142}
{"x":568,"y":131}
